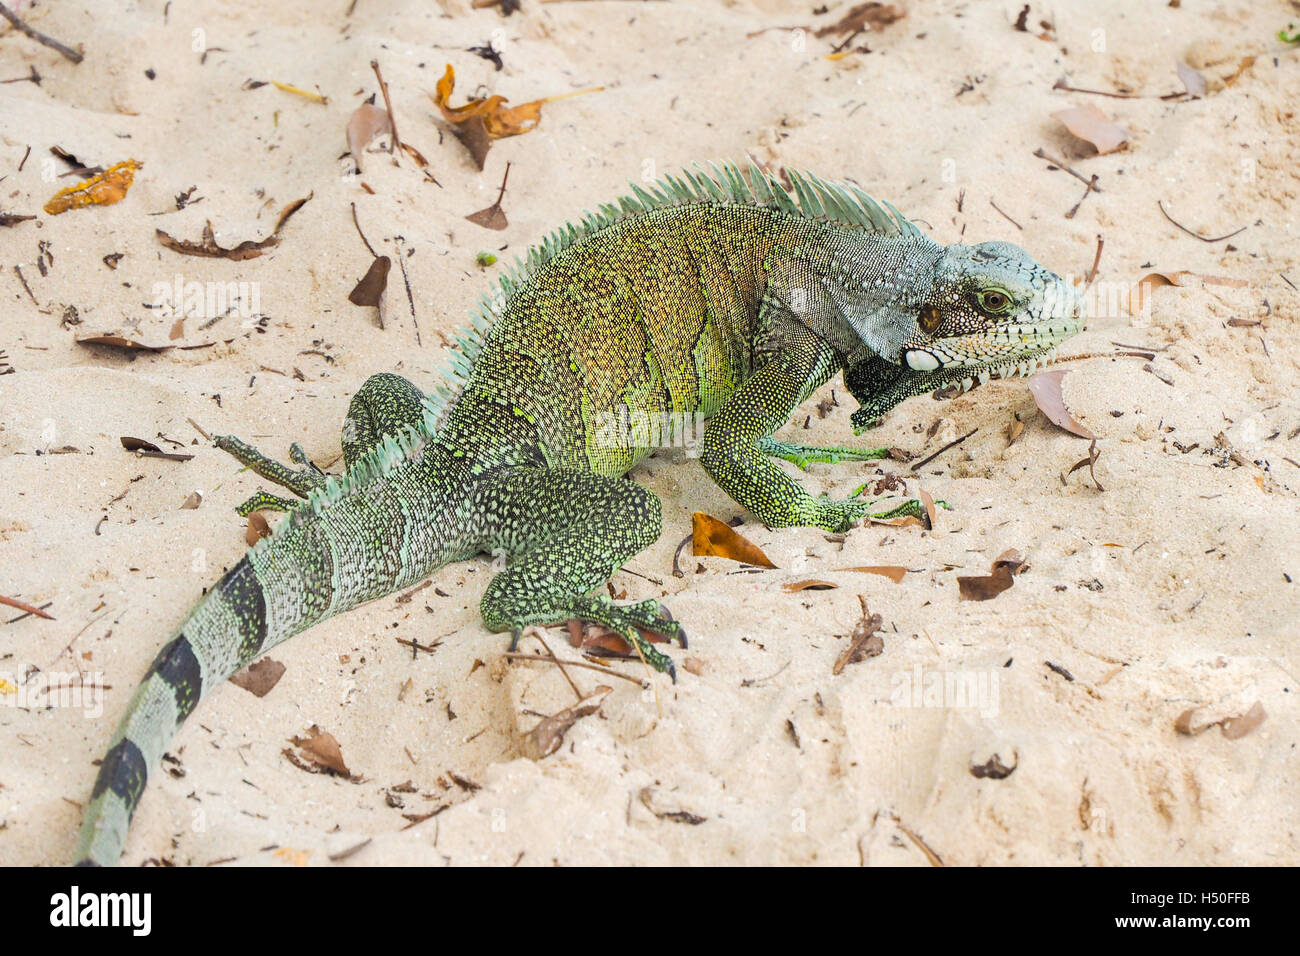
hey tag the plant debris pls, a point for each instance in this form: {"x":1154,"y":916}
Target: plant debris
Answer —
{"x":1045,"y":387}
{"x":1193,"y":80}
{"x":479,"y":122}
{"x":993,"y":768}
{"x":322,"y":750}
{"x":259,"y":677}
{"x":104,"y":189}
{"x":369,"y":291}
{"x":864,"y":642}
{"x":546,"y":738}
{"x":147,"y":449}
{"x":493,"y":217}
{"x":1193,"y":721}
{"x":13,"y":218}
{"x":893,"y":572}
{"x":711,"y":537}
{"x":366,"y":123}
{"x":987,"y":587}
{"x":24,"y":607}
{"x":811,"y":585}
{"x":248,"y":249}
{"x":1141,"y":292}
{"x":1093,"y":126}
{"x":317,"y":97}
{"x":257,"y":528}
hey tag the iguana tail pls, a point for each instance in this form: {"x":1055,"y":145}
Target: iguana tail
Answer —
{"x":358,"y":539}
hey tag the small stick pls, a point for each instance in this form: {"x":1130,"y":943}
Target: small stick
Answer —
{"x":1092,"y":274}
{"x":395,"y":142}
{"x":1042,"y":154}
{"x":1280,"y":275}
{"x":1008,"y":218}
{"x":516,"y":656}
{"x":373,"y":254}
{"x":952,"y":444}
{"x":40,"y":38}
{"x":23,"y":606}
{"x":410,"y":299}
{"x":1060,"y":85}
{"x":1195,"y":235}
{"x":558,"y":663}
{"x":19,"y":272}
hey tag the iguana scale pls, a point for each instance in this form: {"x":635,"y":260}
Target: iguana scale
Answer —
{"x":715,"y":293}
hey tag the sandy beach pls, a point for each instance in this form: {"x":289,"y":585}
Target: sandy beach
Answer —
{"x":1104,"y":710}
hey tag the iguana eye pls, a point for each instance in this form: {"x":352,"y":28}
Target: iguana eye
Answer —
{"x":994,"y":300}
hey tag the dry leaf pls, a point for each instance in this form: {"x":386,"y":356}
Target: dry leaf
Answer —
{"x":117,"y":341}
{"x":811,"y":585}
{"x":1141,"y":291}
{"x":479,"y":122}
{"x":1093,"y":126}
{"x":193,"y":501}
{"x":864,"y":642}
{"x":371,"y":287}
{"x":1046,"y":389}
{"x":248,"y":249}
{"x":544,"y":739}
{"x":108,"y":187}
{"x":709,"y":536}
{"x":257,"y":528}
{"x":893,"y":572}
{"x":864,"y":16}
{"x":993,"y":769}
{"x":323,"y":750}
{"x":366,"y":123}
{"x":1235,"y":728}
{"x":986,"y":587}
{"x":258,"y":677}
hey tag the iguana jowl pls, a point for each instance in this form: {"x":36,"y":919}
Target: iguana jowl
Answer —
{"x":707,"y":293}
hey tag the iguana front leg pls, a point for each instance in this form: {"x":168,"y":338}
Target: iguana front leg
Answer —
{"x":735,"y":442}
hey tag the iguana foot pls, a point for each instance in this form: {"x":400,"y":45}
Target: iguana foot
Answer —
{"x":839,"y":516}
{"x":628,"y":621}
{"x":804,"y":455}
{"x":301,"y":482}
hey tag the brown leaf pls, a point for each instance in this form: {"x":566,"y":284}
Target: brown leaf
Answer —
{"x":259,"y":677}
{"x":117,"y":341}
{"x":13,"y":218}
{"x":1235,"y":728}
{"x":893,"y":572}
{"x":366,"y":123}
{"x":1093,"y":126}
{"x":810,"y":585}
{"x":108,"y":187}
{"x":986,"y":587}
{"x":248,"y":249}
{"x":1093,"y":454}
{"x":493,"y":217}
{"x":371,"y":287}
{"x":546,"y":738}
{"x":257,"y":529}
{"x":323,"y":750}
{"x":993,"y":769}
{"x":148,"y":449}
{"x":1046,"y":389}
{"x":709,"y":536}
{"x":864,"y":16}
{"x":864,"y":642}
{"x":193,"y":501}
{"x":1141,"y":291}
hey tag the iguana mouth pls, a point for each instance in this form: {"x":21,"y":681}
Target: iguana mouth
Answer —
{"x":1022,"y":368}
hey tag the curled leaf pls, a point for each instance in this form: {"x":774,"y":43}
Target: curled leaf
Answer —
{"x":546,"y":738}
{"x":709,"y":536}
{"x":1000,"y":578}
{"x":366,"y":123}
{"x":323,"y":750}
{"x":1093,"y":126}
{"x":810,"y":585}
{"x":1140,"y":294}
{"x":248,"y":249}
{"x":1046,"y":389}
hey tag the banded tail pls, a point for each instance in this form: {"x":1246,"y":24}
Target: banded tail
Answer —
{"x":354,"y":543}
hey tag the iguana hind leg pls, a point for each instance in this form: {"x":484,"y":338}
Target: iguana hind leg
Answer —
{"x":384,"y":405}
{"x":565,"y":532}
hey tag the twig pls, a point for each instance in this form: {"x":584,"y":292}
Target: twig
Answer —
{"x":39,"y":37}
{"x":1092,"y":184}
{"x":558,"y":663}
{"x":952,"y":444}
{"x":1195,"y":235}
{"x":1008,"y":218}
{"x":373,"y":254}
{"x":19,"y":272}
{"x":23,"y":606}
{"x":410,"y":299}
{"x":516,"y":656}
{"x":1060,"y":85}
{"x":1092,"y":274}
{"x":395,"y":142}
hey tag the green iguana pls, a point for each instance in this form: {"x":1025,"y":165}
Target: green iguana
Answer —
{"x":709,"y":293}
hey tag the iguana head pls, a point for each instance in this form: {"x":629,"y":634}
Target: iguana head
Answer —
{"x":990,"y":311}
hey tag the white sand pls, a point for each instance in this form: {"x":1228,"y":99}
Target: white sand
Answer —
{"x":1190,"y":607}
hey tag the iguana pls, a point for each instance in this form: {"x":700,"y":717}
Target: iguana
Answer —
{"x":718,"y":293}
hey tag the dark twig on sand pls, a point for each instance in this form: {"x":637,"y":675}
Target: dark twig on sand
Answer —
{"x":39,"y":37}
